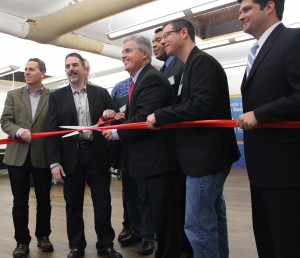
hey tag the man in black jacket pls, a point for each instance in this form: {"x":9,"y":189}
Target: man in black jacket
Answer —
{"x":82,"y":158}
{"x":205,"y":155}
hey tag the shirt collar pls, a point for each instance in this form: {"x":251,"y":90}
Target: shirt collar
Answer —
{"x":83,"y":89}
{"x":134,"y":78}
{"x":266,"y":34}
{"x":38,"y":92}
{"x":169,"y":60}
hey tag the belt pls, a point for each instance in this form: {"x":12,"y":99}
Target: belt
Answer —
{"x":85,"y":144}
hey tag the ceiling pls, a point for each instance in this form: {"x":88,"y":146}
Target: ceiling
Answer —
{"x":106,"y":67}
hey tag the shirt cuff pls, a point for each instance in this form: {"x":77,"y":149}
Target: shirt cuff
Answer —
{"x":114,"y":133}
{"x":53,"y":165}
{"x":17,"y":133}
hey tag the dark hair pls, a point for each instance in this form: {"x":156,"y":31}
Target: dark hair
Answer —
{"x":279,"y":6}
{"x":182,"y":23}
{"x":41,"y":64}
{"x":158,"y":30}
{"x":74,"y":54}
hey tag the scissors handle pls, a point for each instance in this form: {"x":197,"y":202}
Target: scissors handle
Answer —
{"x":102,"y":121}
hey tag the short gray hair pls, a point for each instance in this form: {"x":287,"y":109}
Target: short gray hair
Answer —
{"x":143,"y":44}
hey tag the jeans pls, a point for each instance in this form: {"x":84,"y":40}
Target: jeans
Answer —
{"x":205,"y":217}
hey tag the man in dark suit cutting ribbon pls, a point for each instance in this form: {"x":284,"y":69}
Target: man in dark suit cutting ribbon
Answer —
{"x":151,"y":154}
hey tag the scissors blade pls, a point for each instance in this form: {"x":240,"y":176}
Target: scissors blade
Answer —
{"x":76,"y":127}
{"x":79,"y":128}
{"x":73,"y":127}
{"x":70,"y":134}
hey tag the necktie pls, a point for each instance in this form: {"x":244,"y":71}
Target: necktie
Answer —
{"x":251,"y":58}
{"x":162,"y":69}
{"x":130,"y":91}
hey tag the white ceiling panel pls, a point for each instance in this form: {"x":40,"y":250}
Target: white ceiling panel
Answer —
{"x":16,"y":51}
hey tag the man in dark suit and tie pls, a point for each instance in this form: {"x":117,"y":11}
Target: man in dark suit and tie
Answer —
{"x":151,"y":154}
{"x":25,"y":113}
{"x":205,"y":155}
{"x":82,"y":158}
{"x":271,"y":93}
{"x":136,"y":201}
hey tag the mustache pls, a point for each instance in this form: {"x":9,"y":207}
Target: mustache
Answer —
{"x":72,"y":73}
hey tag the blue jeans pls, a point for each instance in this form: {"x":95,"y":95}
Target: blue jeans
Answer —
{"x":205,"y":216}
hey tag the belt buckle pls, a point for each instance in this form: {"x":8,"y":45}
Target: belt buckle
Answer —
{"x":84,"y":144}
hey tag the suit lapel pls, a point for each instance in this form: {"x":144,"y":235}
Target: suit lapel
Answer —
{"x":70,"y":99}
{"x":262,"y":54}
{"x":136,"y":85}
{"x":26,"y":102}
{"x":170,"y":67}
{"x":90,"y":95}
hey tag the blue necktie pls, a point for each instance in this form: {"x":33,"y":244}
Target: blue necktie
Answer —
{"x":163,"y":68}
{"x":251,"y":58}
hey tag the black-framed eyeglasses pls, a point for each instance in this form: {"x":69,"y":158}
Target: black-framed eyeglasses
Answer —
{"x":167,"y":34}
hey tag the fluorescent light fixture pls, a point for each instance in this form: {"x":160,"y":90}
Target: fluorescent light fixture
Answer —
{"x":294,"y":25}
{"x":214,"y":44}
{"x":210,"y":6}
{"x":233,"y":65}
{"x":213,"y":5}
{"x":54,"y":79}
{"x":243,"y":37}
{"x":231,"y":38}
{"x":143,"y":26}
{"x":8,"y":70}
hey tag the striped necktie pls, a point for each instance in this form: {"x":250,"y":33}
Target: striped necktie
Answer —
{"x":251,"y":58}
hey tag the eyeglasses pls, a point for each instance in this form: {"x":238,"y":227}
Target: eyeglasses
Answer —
{"x":167,"y":34}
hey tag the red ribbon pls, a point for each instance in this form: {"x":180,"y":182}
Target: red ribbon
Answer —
{"x":35,"y":136}
{"x":205,"y":123}
{"x":143,"y":126}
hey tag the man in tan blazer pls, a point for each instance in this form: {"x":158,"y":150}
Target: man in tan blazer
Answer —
{"x":25,"y":113}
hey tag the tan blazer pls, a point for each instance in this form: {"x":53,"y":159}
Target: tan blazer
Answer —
{"x":16,"y":115}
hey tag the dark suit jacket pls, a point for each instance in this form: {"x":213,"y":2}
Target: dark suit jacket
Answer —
{"x":62,"y":111}
{"x":17,"y":114}
{"x":150,"y":152}
{"x":204,"y":96}
{"x":173,"y":73}
{"x":272,"y":91}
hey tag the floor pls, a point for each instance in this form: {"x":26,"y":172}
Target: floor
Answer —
{"x":236,"y":193}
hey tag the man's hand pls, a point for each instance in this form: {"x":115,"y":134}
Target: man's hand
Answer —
{"x":119,"y":116}
{"x":108,"y":114}
{"x":151,"y":121}
{"x":58,"y":173}
{"x":25,"y":135}
{"x":247,"y":121}
{"x":108,"y":135}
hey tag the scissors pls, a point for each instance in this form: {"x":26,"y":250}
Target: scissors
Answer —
{"x":102,"y":122}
